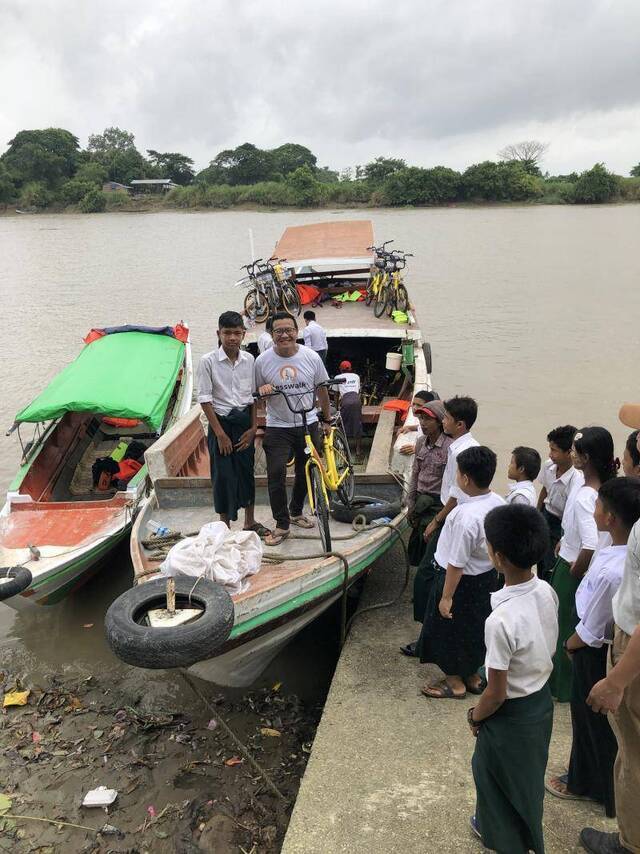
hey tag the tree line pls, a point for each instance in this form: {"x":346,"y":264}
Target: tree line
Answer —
{"x":48,"y":169}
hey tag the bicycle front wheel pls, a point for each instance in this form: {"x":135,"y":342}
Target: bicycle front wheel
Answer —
{"x":381,"y":301}
{"x":321,"y":507}
{"x":342,"y":454}
{"x":369,"y":297}
{"x":402,"y":299}
{"x":256,"y":306}
{"x":291,"y":300}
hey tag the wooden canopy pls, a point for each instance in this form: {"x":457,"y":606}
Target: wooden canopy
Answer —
{"x":324,"y":243}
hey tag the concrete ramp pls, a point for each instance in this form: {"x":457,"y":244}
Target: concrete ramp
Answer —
{"x":390,"y":771}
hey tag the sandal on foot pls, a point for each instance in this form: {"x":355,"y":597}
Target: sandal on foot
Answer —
{"x":301,"y":521}
{"x":274,"y":538}
{"x":446,"y":692}
{"x":557,"y":786}
{"x":258,"y":529}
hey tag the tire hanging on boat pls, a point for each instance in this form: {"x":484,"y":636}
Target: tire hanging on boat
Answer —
{"x":136,"y":642}
{"x":369,"y":509}
{"x":19,"y":579}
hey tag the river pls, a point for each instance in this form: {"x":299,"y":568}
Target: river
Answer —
{"x":531,"y":310}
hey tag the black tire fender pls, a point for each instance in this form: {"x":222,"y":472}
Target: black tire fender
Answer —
{"x":365,"y":509}
{"x":165,"y":647}
{"x":20,"y":578}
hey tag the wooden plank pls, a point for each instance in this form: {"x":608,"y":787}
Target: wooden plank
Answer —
{"x":382,"y":442}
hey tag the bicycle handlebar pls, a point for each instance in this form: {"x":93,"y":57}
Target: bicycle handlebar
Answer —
{"x":287,"y":395}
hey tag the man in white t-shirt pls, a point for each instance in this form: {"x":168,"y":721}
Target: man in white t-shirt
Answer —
{"x":350,"y":403}
{"x":314,"y":336}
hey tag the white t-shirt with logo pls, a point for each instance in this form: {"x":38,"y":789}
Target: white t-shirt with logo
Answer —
{"x":298,"y":375}
{"x":351,"y":383}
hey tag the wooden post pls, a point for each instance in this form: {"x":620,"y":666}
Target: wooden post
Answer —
{"x":171,"y":596}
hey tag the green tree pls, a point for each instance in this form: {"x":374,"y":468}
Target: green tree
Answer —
{"x":245,"y":164}
{"x":415,"y":186}
{"x":635,"y":172}
{"x":48,"y":156}
{"x":500,"y":182}
{"x":74,"y":190}
{"x":92,"y":171}
{"x":127,"y":165}
{"x":178,"y":167}
{"x":7,"y":187}
{"x":93,"y":201}
{"x":596,"y":185}
{"x":290,"y":156}
{"x":327,"y":176}
{"x":103,"y":146}
{"x":304,"y":187}
{"x":35,"y":194}
{"x":380,"y":169}
{"x":115,"y":150}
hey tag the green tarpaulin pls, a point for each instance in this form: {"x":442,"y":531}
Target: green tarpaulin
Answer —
{"x":127,"y":375}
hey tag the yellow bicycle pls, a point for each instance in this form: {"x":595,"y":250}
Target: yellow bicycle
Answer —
{"x":334,"y":473}
{"x":393,"y":295}
{"x":379,"y":275}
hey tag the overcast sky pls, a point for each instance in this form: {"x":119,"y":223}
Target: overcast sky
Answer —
{"x":434,"y":81}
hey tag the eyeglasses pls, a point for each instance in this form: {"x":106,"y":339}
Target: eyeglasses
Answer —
{"x":284,"y":330}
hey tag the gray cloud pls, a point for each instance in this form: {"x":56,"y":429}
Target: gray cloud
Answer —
{"x":435,"y":82}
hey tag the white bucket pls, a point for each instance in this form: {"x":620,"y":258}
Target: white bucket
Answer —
{"x":394,"y":360}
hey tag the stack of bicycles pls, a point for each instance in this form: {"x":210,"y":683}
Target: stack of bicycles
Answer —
{"x":386,"y":289}
{"x":271,"y":288}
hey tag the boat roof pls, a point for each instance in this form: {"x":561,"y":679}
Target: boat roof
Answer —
{"x":123,"y":374}
{"x":328,"y":244}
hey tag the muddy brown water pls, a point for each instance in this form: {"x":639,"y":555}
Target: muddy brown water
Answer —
{"x":532,"y":310}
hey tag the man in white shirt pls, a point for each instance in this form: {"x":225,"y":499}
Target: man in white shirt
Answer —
{"x":225,"y":392}
{"x":265,"y":339}
{"x":524,"y":468}
{"x":350,"y":403}
{"x":314,"y":336}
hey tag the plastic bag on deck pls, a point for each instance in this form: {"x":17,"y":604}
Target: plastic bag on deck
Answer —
{"x":227,"y":557}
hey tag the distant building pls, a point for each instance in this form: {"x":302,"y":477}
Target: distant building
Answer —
{"x":153,"y":185}
{"x":114,"y":187}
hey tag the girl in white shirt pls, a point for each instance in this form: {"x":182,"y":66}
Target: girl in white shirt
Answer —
{"x":593,"y":455}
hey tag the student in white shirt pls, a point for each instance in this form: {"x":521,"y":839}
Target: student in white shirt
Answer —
{"x":514,"y":716}
{"x":225,"y":393}
{"x":460,"y":600}
{"x":350,"y":403}
{"x":265,"y":339}
{"x":524,"y":468}
{"x":594,"y":746}
{"x":314,"y":336}
{"x":592,"y":455}
{"x":558,"y":478}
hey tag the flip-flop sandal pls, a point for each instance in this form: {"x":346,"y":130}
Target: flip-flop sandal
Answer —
{"x":566,"y":795}
{"x":301,"y":522}
{"x":446,"y":692}
{"x":276,"y":539}
{"x":258,"y":529}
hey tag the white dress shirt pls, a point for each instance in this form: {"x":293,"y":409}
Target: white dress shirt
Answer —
{"x":558,"y":488}
{"x":449,"y":486}
{"x":578,"y":525}
{"x":227,"y":385}
{"x":264,"y":341}
{"x":594,"y":596}
{"x":462,"y":542}
{"x":314,"y":336}
{"x":626,"y":602}
{"x":522,"y":492}
{"x":521,"y":634}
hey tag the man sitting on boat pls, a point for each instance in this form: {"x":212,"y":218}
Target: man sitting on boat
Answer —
{"x":350,"y":404}
{"x":296,"y":369}
{"x":225,"y":392}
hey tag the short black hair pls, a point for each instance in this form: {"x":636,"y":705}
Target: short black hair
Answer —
{"x":518,"y":532}
{"x":562,"y":436}
{"x":309,"y":315}
{"x":479,"y":464}
{"x":268,"y":324}
{"x":632,"y":447}
{"x":462,"y":409}
{"x":283,"y":315}
{"x":427,"y":396}
{"x":621,"y":496}
{"x":527,"y":459}
{"x":230,"y":320}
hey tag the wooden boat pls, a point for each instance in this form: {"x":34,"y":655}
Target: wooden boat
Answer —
{"x":296,"y":582}
{"x":128,"y":383}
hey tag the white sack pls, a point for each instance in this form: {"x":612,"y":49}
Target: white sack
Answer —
{"x":227,"y":557}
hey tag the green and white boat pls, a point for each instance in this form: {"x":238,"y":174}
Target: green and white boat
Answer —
{"x":127,"y":384}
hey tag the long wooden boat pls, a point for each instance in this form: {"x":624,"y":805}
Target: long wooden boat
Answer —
{"x":296,"y":582}
{"x":128,"y":383}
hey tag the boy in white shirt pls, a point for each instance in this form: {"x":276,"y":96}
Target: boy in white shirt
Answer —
{"x":524,"y":468}
{"x":558,"y":478}
{"x":594,"y":746}
{"x":460,"y":596}
{"x":514,"y":716}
